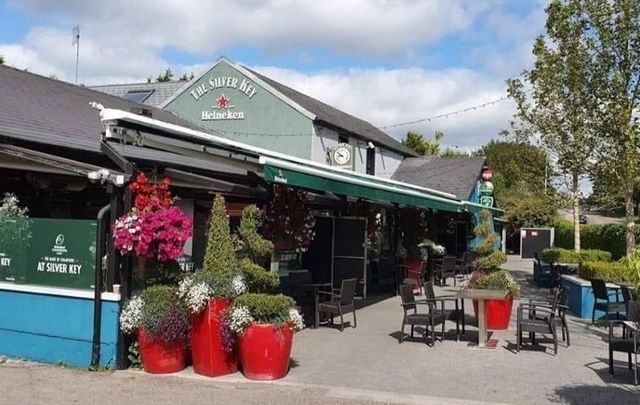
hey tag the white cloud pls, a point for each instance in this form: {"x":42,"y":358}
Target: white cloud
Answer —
{"x":356,"y":27}
{"x":385,"y":97}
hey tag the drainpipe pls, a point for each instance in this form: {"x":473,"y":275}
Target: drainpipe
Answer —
{"x":97,"y":298}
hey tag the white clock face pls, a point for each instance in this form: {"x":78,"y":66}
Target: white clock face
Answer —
{"x":342,"y":155}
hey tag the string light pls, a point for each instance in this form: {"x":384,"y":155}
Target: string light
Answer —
{"x":400,"y":124}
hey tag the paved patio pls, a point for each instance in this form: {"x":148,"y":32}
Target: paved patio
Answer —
{"x":369,"y":357}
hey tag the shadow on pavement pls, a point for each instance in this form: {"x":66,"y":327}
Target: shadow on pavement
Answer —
{"x":592,"y":394}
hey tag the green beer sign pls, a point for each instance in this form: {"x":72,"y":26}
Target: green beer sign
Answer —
{"x":62,"y":253}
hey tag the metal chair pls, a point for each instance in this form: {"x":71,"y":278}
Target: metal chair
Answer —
{"x":451,"y":314}
{"x":445,"y":270}
{"x":602,"y":301}
{"x":625,"y":343}
{"x":427,"y":319}
{"x":340,"y":302}
{"x":533,"y":323}
{"x":417,"y":278}
{"x":560,"y":301}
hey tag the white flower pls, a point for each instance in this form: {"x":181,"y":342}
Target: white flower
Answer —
{"x":238,"y":286}
{"x":296,"y":319}
{"x":239,"y":319}
{"x":131,"y":315}
{"x":195,"y":295}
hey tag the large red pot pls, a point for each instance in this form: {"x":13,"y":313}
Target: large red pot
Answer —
{"x":265,"y":351}
{"x":498,"y":313}
{"x":159,"y":357}
{"x":207,"y":349}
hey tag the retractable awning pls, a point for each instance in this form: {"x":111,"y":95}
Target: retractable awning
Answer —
{"x":280,"y":168}
{"x":294,"y":174}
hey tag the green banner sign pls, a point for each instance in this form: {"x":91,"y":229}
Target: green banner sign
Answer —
{"x":50,"y":252}
{"x":486,"y":201}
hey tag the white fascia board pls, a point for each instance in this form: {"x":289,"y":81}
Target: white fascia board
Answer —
{"x":347,"y":179}
{"x":57,"y":291}
{"x":109,"y":115}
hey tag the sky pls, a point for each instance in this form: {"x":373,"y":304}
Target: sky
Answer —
{"x":385,"y":61}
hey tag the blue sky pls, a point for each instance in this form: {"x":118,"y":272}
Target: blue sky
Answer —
{"x":384,"y":61}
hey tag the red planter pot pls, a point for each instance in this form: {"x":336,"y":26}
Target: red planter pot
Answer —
{"x":159,"y":357}
{"x":265,"y":351}
{"x":498,"y":313}
{"x":207,"y":349}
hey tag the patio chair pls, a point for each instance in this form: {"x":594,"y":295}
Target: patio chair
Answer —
{"x":412,"y":317}
{"x":416,"y":278}
{"x":528,"y":320}
{"x":451,"y":314}
{"x":603,"y":302}
{"x":340,"y":302}
{"x":465,"y":264}
{"x":560,"y":301}
{"x":624,"y":342}
{"x":445,"y":270}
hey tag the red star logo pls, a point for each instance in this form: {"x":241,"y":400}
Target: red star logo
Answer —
{"x":223,"y":102}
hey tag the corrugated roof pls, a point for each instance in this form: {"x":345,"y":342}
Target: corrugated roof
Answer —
{"x":457,"y":176}
{"x":160,"y":91}
{"x":337,"y":118}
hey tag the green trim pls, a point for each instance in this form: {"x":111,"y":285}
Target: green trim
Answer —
{"x":370,"y":192}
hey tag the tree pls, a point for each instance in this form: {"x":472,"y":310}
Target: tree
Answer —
{"x":427,"y":147}
{"x":220,"y":256}
{"x":166,"y":76}
{"x":1,"y":60}
{"x":186,"y":78}
{"x":486,"y":257}
{"x":561,"y":103}
{"x":612,"y":31}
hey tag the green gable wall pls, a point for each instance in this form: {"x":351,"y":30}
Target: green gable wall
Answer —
{"x":264,"y":113}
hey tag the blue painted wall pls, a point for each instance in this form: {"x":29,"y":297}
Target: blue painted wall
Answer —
{"x":50,"y":329}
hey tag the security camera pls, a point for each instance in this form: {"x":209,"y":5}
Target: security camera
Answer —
{"x":370,"y":145}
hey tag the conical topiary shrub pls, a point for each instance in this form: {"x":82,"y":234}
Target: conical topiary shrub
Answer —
{"x":487,"y":258}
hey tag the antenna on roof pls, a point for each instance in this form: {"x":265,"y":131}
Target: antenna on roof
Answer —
{"x":75,"y":41}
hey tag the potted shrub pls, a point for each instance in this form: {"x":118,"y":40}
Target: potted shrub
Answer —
{"x":209,"y":294}
{"x":160,"y":321}
{"x":265,"y":325}
{"x":498,"y":311}
{"x":487,"y":263}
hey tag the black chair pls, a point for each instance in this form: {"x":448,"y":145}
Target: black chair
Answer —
{"x":465,"y":264}
{"x":303,"y":295}
{"x":445,"y":270}
{"x":417,"y":278}
{"x":451,"y":314}
{"x":603,"y":302}
{"x":412,"y":317}
{"x":624,"y":342}
{"x":340,"y":302}
{"x":529,"y":320}
{"x":560,"y":301}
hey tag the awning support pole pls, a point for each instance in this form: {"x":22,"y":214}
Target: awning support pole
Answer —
{"x":97,"y":298}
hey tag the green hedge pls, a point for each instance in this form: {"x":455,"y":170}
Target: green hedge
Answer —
{"x":610,"y":272}
{"x":608,"y":237}
{"x":559,"y":255}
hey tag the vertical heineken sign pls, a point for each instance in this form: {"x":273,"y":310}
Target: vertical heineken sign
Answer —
{"x":224,"y":108}
{"x":486,"y":187}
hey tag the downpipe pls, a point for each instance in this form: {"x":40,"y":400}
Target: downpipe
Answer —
{"x":97,"y":298}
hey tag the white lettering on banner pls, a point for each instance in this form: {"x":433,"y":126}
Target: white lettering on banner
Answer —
{"x":5,"y":261}
{"x":219,"y":82}
{"x":219,"y":116}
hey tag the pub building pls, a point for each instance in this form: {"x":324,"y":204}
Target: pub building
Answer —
{"x":67,"y":152}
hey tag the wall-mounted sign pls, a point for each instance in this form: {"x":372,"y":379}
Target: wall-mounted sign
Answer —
{"x":342,"y":156}
{"x":486,"y":188}
{"x":224,"y":109}
{"x":486,"y":201}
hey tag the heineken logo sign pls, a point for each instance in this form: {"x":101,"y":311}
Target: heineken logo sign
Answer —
{"x":223,"y":109}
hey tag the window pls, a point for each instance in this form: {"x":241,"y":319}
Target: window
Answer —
{"x":343,"y":139}
{"x":138,"y":96}
{"x":371,"y":161}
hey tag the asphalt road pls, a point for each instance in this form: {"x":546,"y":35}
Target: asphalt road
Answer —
{"x":591,"y":218}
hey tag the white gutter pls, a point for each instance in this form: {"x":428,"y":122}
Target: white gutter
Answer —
{"x":110,"y":114}
{"x":264,"y":160}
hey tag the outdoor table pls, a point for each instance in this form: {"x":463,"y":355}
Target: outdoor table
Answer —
{"x":316,"y":297}
{"x":481,"y":296}
{"x":635,"y":328}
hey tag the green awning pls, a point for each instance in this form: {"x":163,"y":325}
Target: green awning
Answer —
{"x":293,"y":174}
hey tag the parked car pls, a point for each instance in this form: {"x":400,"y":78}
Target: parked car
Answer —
{"x":582,"y":218}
